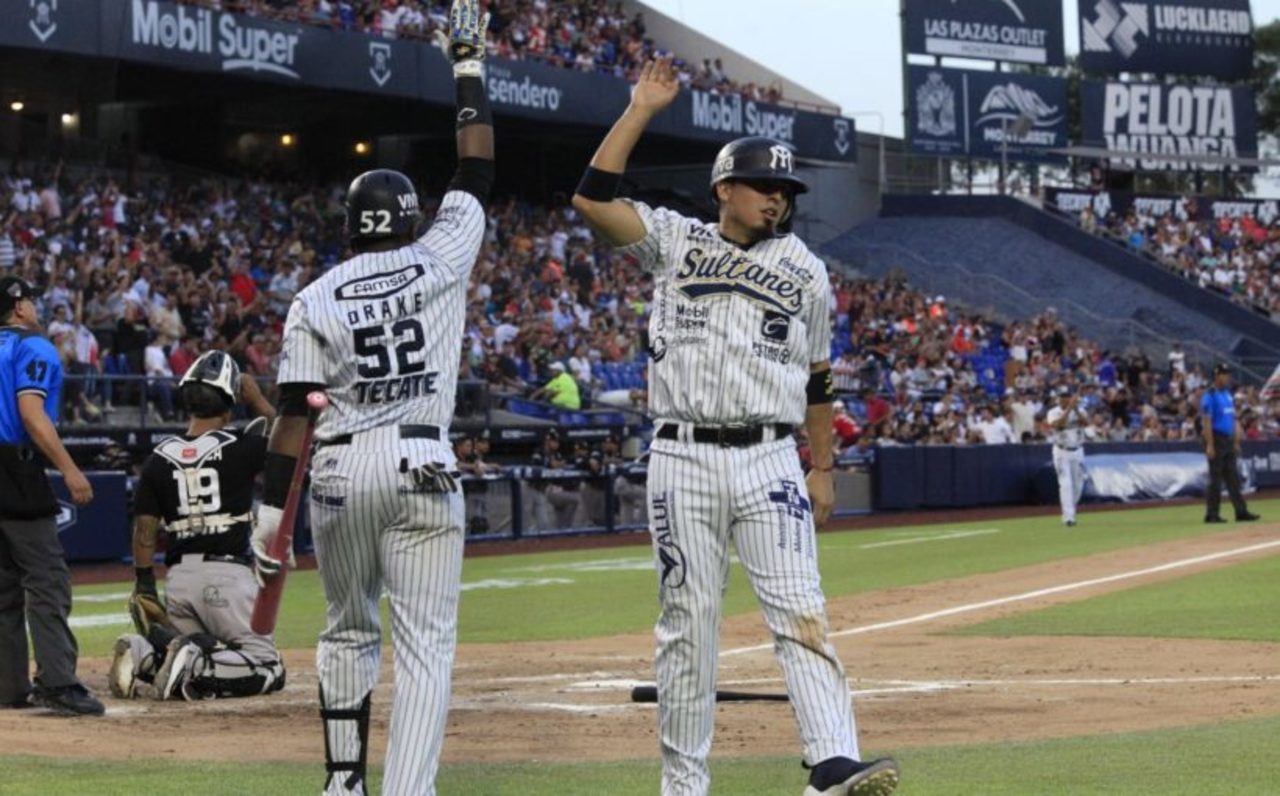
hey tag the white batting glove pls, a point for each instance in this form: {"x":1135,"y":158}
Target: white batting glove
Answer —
{"x":467,"y":26}
{"x":265,"y":528}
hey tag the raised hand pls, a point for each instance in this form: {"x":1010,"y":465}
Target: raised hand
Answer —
{"x":466,"y":31}
{"x":657,"y":87}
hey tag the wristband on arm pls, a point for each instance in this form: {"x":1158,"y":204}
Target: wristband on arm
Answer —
{"x":820,"y":389}
{"x":473,"y":105}
{"x":598,"y":185}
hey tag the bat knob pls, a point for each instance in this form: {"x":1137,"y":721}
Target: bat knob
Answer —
{"x":317,"y":400}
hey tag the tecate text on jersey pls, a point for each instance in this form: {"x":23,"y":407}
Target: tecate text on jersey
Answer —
{"x":385,"y":391}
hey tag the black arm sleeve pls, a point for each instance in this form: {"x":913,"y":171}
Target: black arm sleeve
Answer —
{"x":293,"y":397}
{"x":475,"y":176}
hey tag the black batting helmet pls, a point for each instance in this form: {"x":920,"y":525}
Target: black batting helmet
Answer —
{"x":381,"y":204}
{"x":210,"y":386}
{"x":758,"y":158}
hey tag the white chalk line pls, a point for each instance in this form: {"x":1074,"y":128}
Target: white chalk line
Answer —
{"x":1030,"y":595}
{"x":937,"y":538}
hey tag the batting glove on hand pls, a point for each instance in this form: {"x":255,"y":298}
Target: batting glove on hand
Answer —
{"x":466,"y":37}
{"x":265,"y":529}
{"x":430,"y":477}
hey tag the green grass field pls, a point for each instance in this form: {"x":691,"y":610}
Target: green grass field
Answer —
{"x":584,"y":594}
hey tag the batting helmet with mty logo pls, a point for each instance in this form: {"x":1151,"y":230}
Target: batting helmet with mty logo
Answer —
{"x":758,"y":158}
{"x":381,"y":204}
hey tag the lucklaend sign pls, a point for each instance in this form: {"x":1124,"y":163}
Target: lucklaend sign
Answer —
{"x":165,"y":34}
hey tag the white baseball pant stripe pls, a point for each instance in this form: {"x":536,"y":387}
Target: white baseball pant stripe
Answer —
{"x":370,"y":530}
{"x":701,"y":497}
{"x":1069,"y":465}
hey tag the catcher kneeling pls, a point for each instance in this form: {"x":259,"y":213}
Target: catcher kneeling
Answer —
{"x":199,"y":485}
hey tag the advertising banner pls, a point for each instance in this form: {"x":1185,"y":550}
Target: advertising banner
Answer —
{"x":1184,"y":37}
{"x":1179,"y":206}
{"x":959,"y":112}
{"x":1025,"y":31}
{"x":196,"y":38}
{"x":1151,"y":120}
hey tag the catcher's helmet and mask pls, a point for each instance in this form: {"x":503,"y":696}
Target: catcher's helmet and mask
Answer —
{"x":758,"y":158}
{"x":381,"y":204}
{"x":210,"y":386}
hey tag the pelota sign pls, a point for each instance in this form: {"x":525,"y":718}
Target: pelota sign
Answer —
{"x":1150,"y":120}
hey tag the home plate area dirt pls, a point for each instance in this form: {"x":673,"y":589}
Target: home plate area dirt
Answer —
{"x":914,"y":684}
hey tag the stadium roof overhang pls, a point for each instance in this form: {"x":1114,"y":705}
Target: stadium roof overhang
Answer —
{"x":1102,"y":153}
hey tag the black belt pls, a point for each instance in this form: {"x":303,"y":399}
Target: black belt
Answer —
{"x":195,"y":558}
{"x":728,"y":436}
{"x":1065,"y":448}
{"x":406,"y":432}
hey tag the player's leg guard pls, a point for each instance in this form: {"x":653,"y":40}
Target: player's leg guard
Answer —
{"x":229,"y":672}
{"x":348,"y":772}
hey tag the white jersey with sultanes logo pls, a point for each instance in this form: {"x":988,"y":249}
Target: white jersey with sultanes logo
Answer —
{"x":733,"y":330}
{"x":381,"y":330}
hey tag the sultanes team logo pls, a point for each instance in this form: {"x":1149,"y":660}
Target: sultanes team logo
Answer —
{"x":380,"y":55}
{"x":42,"y":22}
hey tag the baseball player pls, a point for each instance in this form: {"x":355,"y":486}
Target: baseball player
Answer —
{"x":380,"y":333}
{"x":1066,"y":424}
{"x":200,"y":486}
{"x":740,"y":341}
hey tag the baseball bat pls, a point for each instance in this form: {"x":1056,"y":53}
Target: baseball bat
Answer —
{"x":649,"y":693}
{"x":267,"y":605}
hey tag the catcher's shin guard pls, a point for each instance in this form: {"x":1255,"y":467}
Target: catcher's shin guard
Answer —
{"x":333,"y":721}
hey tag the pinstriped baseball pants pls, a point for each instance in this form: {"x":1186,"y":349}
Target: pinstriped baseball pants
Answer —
{"x":370,"y":530}
{"x":702,"y":498}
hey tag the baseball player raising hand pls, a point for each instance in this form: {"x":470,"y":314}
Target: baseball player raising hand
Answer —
{"x":380,"y":333}
{"x":740,"y":339}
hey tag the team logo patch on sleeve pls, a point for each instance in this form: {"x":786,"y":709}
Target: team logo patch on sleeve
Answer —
{"x":775,"y":326}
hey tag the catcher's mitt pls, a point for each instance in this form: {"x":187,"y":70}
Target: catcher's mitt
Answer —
{"x":148,"y":614}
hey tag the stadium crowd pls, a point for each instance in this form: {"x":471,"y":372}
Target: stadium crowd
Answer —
{"x":586,"y":35}
{"x":1235,"y":257}
{"x":140,"y":281}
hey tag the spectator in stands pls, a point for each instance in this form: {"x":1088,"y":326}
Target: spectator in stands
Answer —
{"x":994,"y":429}
{"x":160,"y":383}
{"x":184,"y":355}
{"x":844,"y":425}
{"x":561,"y":390}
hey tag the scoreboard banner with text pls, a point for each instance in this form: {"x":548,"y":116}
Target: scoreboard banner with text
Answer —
{"x":1184,"y":37}
{"x":1151,"y":120}
{"x":1025,"y":31}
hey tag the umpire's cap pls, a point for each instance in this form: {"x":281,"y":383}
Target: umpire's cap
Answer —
{"x":13,"y":290}
{"x":210,"y":386}
{"x":381,"y":204}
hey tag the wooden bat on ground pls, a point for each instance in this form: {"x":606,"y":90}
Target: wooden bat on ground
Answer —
{"x":267,"y":605}
{"x":649,"y":693}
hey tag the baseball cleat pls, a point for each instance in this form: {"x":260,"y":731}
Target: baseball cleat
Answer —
{"x":121,"y":679}
{"x":68,"y":700}
{"x":173,"y":671}
{"x":877,"y":778}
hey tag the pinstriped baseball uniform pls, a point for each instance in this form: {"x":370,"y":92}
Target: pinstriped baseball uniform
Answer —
{"x":1068,"y":459}
{"x":382,"y":331}
{"x":733,"y":334}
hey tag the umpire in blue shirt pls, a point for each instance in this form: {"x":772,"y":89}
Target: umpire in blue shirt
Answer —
{"x":1221,"y":429}
{"x":35,"y":585}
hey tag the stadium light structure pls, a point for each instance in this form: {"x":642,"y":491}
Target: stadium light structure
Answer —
{"x":287,"y":139}
{"x":880,"y":117}
{"x":16,"y":106}
{"x":1021,"y":126}
{"x":362,"y":148}
{"x":68,"y":119}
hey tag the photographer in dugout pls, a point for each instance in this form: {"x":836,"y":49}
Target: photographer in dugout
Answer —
{"x":199,"y":485}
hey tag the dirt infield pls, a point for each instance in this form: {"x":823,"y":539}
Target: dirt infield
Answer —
{"x":568,"y":701}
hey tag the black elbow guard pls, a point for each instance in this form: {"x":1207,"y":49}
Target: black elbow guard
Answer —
{"x":820,"y":389}
{"x":599,"y":185}
{"x":475,"y":176}
{"x":473,"y":103}
{"x":277,"y":474}
{"x":293,"y":398}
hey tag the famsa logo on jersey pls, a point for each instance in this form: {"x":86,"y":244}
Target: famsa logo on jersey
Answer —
{"x":506,"y":89}
{"x":239,"y":42}
{"x":378,"y":286}
{"x":42,"y":22}
{"x":732,"y":114}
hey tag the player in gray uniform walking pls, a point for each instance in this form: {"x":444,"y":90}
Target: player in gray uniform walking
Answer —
{"x":200,"y":486}
{"x":740,"y":341}
{"x":380,"y":334}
